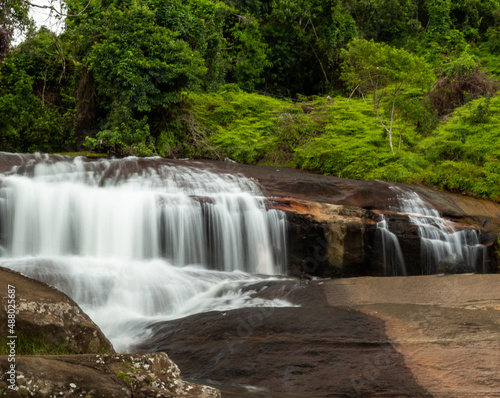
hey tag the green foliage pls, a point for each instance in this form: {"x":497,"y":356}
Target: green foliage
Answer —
{"x":414,"y":108}
{"x":14,"y":18}
{"x":124,"y":135}
{"x":385,"y":20}
{"x":246,"y":53}
{"x":489,"y":60}
{"x":386,"y":72}
{"x":333,"y":136}
{"x":35,"y":111}
{"x":374,"y":66}
{"x":151,"y":77}
{"x":344,"y":138}
{"x":123,"y":376}
{"x":439,"y":15}
{"x":465,"y":151}
{"x":241,"y":124}
{"x":464,"y":64}
{"x":140,"y":67}
{"x":305,"y":38}
{"x":351,"y":144}
{"x":39,"y":345}
{"x":199,"y":23}
{"x":139,"y":64}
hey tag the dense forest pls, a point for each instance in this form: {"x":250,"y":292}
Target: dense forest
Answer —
{"x":366,"y":89}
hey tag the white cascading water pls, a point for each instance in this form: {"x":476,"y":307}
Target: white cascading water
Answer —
{"x":441,"y":242}
{"x":392,"y":256}
{"x":133,"y":244}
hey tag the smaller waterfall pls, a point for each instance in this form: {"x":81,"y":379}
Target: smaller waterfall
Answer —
{"x":394,"y":263}
{"x":444,"y":248}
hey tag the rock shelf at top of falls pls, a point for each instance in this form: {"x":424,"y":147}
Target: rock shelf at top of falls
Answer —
{"x":332,"y":222}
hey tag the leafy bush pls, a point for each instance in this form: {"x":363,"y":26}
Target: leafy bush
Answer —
{"x":27,"y":123}
{"x":243,"y":125}
{"x":350,"y":143}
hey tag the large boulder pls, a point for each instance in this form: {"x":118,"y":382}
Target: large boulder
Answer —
{"x":46,"y":320}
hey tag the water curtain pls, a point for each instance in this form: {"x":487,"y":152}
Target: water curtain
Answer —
{"x":133,"y":240}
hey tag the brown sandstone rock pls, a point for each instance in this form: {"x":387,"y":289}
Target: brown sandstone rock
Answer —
{"x":300,"y":351}
{"x":446,"y":327}
{"x":48,"y":320}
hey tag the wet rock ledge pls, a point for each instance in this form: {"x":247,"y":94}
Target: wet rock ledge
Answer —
{"x":332,"y":222}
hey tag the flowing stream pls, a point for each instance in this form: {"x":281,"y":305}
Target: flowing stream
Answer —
{"x":132,"y":243}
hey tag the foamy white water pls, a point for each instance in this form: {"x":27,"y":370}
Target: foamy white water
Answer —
{"x":394,"y":263}
{"x":440,"y":240}
{"x":132,"y":244}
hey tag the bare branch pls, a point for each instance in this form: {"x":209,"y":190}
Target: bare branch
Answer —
{"x":353,"y":91}
{"x":63,"y":60}
{"x":52,"y":8}
{"x":44,"y":85}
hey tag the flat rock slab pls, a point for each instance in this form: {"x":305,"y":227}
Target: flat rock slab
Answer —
{"x":298,"y":351}
{"x":452,"y":352}
{"x":449,"y":290}
{"x":360,"y":337}
{"x":447,"y":327}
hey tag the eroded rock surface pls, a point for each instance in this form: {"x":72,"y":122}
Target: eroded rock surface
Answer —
{"x":446,"y":327}
{"x":311,"y":352}
{"x":47,"y":320}
{"x":105,"y":376}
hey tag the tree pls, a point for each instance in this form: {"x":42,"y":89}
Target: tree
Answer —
{"x":14,"y":15}
{"x":140,"y":69}
{"x":390,"y":21}
{"x":245,"y":52}
{"x":386,"y":72}
{"x":36,"y":102}
{"x":304,"y":39}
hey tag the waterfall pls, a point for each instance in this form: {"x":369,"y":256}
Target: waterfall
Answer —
{"x":444,"y":248}
{"x":137,"y":240}
{"x":392,"y":256}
